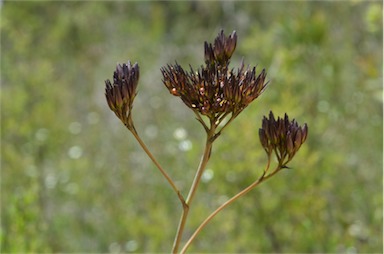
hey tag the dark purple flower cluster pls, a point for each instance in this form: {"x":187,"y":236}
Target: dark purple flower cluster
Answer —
{"x":122,"y":92}
{"x":214,"y":90}
{"x":282,"y":136}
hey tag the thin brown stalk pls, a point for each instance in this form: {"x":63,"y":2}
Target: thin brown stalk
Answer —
{"x":261,"y":179}
{"x":162,"y":171}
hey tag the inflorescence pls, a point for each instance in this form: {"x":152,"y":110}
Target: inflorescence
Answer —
{"x":214,"y":90}
{"x":217,"y":92}
{"x":122,"y":92}
{"x":282,"y":136}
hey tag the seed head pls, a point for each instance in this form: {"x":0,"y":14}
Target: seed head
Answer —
{"x":122,"y":92}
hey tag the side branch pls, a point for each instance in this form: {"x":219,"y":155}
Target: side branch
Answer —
{"x":261,"y":179}
{"x":162,"y":171}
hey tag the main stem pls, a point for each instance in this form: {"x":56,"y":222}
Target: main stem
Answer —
{"x":203,"y":163}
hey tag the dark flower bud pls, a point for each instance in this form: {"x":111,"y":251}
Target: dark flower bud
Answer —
{"x":305,"y":133}
{"x":283,"y":136}
{"x":290,"y":147}
{"x":121,"y":93}
{"x":298,"y":139}
{"x":263,"y":139}
{"x":230,"y":44}
{"x":208,"y":53}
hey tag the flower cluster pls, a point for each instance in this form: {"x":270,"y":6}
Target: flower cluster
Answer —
{"x":282,"y":136}
{"x":121,"y":93}
{"x":214,"y":90}
{"x":219,"y":93}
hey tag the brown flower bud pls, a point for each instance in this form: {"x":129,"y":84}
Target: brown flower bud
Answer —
{"x":290,"y":147}
{"x":230,"y":44}
{"x":208,"y":53}
{"x":305,"y":133}
{"x":264,"y":139}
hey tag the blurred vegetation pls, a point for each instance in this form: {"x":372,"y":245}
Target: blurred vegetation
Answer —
{"x":74,"y":179}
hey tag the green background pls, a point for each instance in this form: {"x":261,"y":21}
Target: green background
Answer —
{"x":73,"y":179}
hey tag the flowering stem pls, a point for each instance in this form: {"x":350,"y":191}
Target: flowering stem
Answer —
{"x":262,"y":178}
{"x":167,"y":177}
{"x":203,"y":163}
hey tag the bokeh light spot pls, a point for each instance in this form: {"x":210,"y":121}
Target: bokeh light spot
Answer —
{"x":131,"y":246}
{"x":207,"y":175}
{"x":75,"y":128}
{"x":75,"y":152}
{"x":185,"y":145}
{"x":180,"y":134}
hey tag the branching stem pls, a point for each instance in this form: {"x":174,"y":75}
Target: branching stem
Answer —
{"x":262,"y":178}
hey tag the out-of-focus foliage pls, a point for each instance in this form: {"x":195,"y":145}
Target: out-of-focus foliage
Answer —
{"x":74,"y":180}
